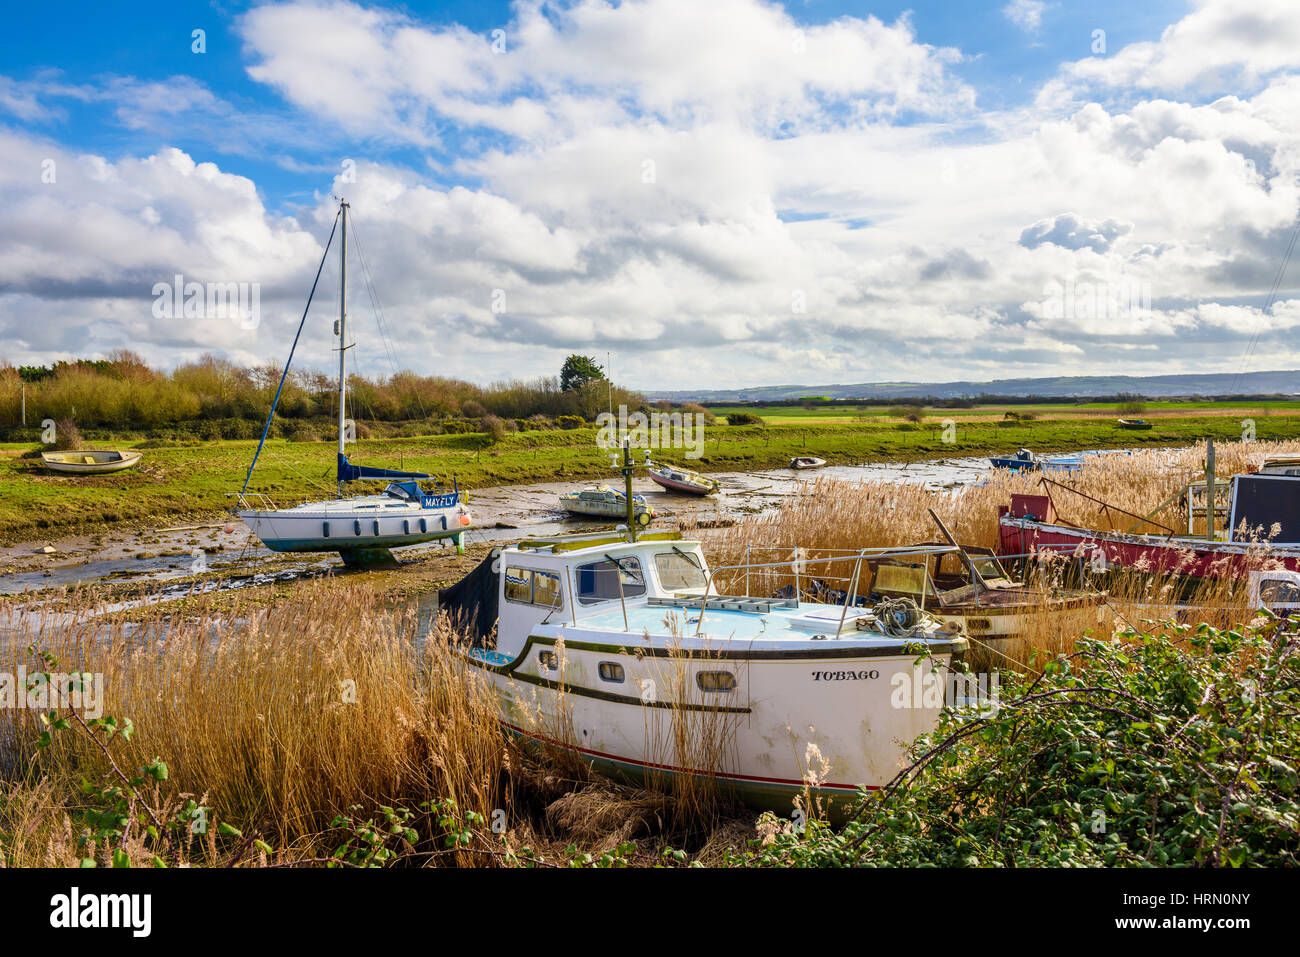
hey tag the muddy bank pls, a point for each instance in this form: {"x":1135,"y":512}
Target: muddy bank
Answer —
{"x":187,"y":557}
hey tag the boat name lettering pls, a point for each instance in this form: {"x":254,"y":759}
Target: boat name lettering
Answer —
{"x":871,"y":675}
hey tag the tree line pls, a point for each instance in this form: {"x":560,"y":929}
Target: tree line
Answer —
{"x":213,"y":397}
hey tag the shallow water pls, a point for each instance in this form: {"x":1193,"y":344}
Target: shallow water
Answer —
{"x":502,"y":514}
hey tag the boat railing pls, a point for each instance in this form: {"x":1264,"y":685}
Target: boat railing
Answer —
{"x":254,"y":501}
{"x":800,"y":560}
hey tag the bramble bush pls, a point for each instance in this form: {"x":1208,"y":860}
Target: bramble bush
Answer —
{"x":1174,"y":746}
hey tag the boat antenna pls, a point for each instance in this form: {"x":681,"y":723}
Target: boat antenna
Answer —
{"x":628,"y":469}
{"x":343,"y":328}
{"x":276,"y":401}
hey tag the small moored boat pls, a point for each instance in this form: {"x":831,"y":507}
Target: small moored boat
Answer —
{"x":683,"y":480}
{"x":1022,"y":461}
{"x":605,"y":502}
{"x":90,"y":461}
{"x":1133,"y":423}
{"x":806,"y":462}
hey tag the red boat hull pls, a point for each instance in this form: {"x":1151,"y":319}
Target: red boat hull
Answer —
{"x":1147,"y":553}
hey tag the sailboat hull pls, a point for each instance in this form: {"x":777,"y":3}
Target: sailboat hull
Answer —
{"x":339,"y":528}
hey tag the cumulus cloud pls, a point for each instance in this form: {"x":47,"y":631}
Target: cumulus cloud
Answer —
{"x":726,"y":195}
{"x":1072,"y":232}
{"x":1221,"y":44}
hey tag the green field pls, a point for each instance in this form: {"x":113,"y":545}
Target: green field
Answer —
{"x":188,"y":482}
{"x":1108,"y":411}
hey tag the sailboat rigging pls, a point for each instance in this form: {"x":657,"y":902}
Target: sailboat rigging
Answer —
{"x":360,"y":528}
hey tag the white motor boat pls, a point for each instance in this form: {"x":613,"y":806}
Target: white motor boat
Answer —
{"x":361,"y":528}
{"x":622,"y":651}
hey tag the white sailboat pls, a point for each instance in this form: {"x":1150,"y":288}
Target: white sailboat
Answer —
{"x":360,"y":528}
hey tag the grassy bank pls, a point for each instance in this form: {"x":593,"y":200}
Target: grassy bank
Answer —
{"x":187,"y":482}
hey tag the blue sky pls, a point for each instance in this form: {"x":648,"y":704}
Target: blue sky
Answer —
{"x":898,"y":193}
{"x":151,"y":40}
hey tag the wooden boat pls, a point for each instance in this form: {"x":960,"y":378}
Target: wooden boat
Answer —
{"x":90,"y":461}
{"x":1133,"y":423}
{"x":1280,"y":464}
{"x":973,"y":593}
{"x":361,"y":528}
{"x":605,"y":502}
{"x":806,"y":462}
{"x":624,"y":653}
{"x":1259,"y":500}
{"x":683,"y":480}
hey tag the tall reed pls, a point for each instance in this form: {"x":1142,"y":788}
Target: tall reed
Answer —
{"x":284,"y":716}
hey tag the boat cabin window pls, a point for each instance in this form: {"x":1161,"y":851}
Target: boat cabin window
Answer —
{"x":530,"y":587}
{"x":546,"y":589}
{"x":1273,"y":592}
{"x":599,"y":581}
{"x":519,"y":585}
{"x":549,"y":660}
{"x":679,"y":570}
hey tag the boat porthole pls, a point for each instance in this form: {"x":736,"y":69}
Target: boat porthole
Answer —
{"x":356,"y":526}
{"x":444,"y":523}
{"x":424,"y":526}
{"x":716,"y":681}
{"x":406,"y":526}
{"x":376,"y":526}
{"x":325,"y":529}
{"x":610,"y":671}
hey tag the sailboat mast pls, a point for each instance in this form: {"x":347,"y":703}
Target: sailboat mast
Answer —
{"x":343,"y":331}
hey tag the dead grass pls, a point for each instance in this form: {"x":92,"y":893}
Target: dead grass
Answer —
{"x":280,"y":718}
{"x":830,"y":514}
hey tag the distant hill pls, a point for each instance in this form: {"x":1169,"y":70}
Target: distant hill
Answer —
{"x":1151,"y":387}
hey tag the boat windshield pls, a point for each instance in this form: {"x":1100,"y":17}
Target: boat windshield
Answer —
{"x":406,"y":491}
{"x":679,"y":570}
{"x":600,"y":581}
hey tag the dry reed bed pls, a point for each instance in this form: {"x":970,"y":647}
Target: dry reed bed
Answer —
{"x":832,"y":514}
{"x":284,"y":716}
{"x":280,"y":718}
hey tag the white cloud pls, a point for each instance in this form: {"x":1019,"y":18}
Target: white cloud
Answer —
{"x":1219,"y":45}
{"x":670,"y":181}
{"x":1026,"y":14}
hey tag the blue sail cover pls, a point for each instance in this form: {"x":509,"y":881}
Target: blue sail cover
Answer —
{"x":352,"y":473}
